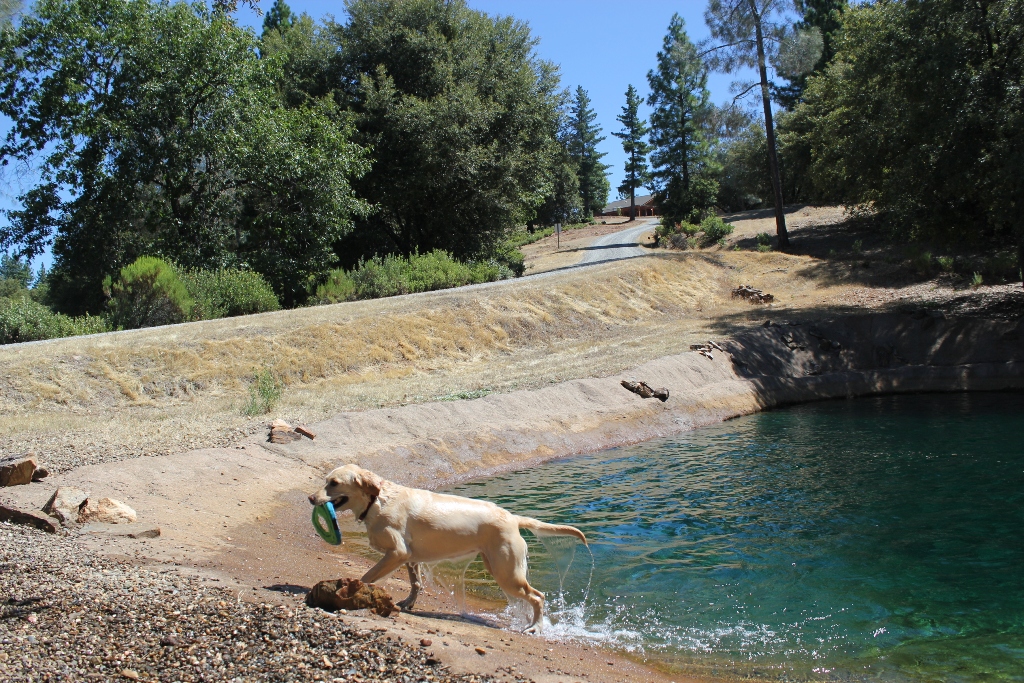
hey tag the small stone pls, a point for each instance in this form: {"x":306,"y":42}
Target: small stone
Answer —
{"x":17,"y":470}
{"x":426,"y":642}
{"x":350,"y":594}
{"x":169,"y":641}
{"x":327,"y":663}
{"x":306,"y":432}
{"x":106,"y":510}
{"x":32,"y":618}
{"x":480,"y":650}
{"x":40,"y":473}
{"x":130,"y":674}
{"x":65,"y":502}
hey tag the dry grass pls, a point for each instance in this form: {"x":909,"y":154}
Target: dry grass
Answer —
{"x":168,"y":389}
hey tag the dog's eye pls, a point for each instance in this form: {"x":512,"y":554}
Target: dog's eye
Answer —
{"x":334,"y":482}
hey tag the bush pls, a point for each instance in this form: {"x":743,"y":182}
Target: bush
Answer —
{"x":946,"y":263}
{"x":714,"y":229}
{"x":228,"y":292}
{"x":23,"y":320}
{"x":764,"y":239}
{"x":393,"y":275}
{"x":147,"y":293}
{"x":264,"y":393}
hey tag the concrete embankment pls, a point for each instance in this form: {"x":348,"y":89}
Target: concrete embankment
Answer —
{"x":765,"y":367}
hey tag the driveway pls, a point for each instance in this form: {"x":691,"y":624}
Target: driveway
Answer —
{"x":619,"y":245}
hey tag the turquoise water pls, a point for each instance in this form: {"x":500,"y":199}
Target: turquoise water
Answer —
{"x":877,"y":539}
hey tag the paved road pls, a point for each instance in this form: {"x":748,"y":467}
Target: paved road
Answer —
{"x":621,"y":244}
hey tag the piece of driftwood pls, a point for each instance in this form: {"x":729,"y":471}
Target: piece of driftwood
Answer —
{"x":644,"y":390}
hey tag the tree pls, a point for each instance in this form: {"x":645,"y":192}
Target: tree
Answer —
{"x":8,"y":10}
{"x":748,"y":33}
{"x":633,"y":134}
{"x":138,"y":116}
{"x":682,"y":158}
{"x":809,"y":47}
{"x":920,"y":115}
{"x":462,"y":118}
{"x":583,"y":140}
{"x":279,"y":18}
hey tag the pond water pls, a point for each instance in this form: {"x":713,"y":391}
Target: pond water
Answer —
{"x":869,"y":539}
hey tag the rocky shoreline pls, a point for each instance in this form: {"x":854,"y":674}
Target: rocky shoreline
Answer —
{"x":71,"y":615}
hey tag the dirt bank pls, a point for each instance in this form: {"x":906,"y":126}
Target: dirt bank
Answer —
{"x":239,"y":515}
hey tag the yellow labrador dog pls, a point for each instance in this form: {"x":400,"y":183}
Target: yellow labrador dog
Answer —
{"x":412,"y":525}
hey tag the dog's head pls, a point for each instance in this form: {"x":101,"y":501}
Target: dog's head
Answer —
{"x":349,"y":488}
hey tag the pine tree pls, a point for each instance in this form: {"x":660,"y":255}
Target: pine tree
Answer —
{"x":633,"y":134}
{"x":279,"y":18}
{"x":680,"y":137}
{"x":583,"y":139}
{"x":746,"y":32}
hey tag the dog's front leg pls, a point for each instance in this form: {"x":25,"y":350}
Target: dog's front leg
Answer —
{"x":392,"y":560}
{"x":414,"y":583}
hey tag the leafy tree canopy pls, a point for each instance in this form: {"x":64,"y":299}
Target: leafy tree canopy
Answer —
{"x":463,"y":120}
{"x":921,"y":115}
{"x":584,"y":136}
{"x":153,"y":127}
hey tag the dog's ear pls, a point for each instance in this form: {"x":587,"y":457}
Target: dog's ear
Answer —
{"x":369,"y":483}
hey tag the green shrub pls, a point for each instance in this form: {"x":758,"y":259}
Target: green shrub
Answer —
{"x":922,"y":262}
{"x":264,"y":393}
{"x":764,"y":248}
{"x":714,"y":229}
{"x":977,"y":280}
{"x":858,"y":246}
{"x":764,"y":239}
{"x":393,"y":275}
{"x":23,"y":320}
{"x":339,"y":287}
{"x":946,"y":263}
{"x":147,"y":293}
{"x":227,"y":292}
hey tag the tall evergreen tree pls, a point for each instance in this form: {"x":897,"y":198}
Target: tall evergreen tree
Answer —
{"x":279,"y":18}
{"x":583,"y":139}
{"x":633,"y":134}
{"x":680,"y":137}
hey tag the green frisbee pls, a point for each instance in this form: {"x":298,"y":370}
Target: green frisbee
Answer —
{"x":325,"y":522}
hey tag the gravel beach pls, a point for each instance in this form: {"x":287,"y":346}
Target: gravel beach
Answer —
{"x":69,"y":615}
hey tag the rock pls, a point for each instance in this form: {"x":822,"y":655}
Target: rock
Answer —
{"x":426,"y":642}
{"x":64,"y":503}
{"x":40,"y":473}
{"x":17,"y":470}
{"x":33,"y":519}
{"x":130,"y":674}
{"x":282,"y":432}
{"x":126,"y":530}
{"x":106,"y":510}
{"x":754,"y":296}
{"x":169,"y":641}
{"x":480,"y":650}
{"x":661,"y":394}
{"x":306,"y":432}
{"x":350,"y":594}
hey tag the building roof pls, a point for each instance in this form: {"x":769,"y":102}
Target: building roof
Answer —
{"x":624,"y":203}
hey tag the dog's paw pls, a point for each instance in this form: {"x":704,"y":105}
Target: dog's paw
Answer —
{"x":406,"y":605}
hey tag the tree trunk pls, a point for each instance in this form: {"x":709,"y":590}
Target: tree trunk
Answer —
{"x":769,"y":129}
{"x":632,"y":204}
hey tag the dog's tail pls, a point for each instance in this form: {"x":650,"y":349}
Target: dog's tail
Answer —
{"x":544,"y":529}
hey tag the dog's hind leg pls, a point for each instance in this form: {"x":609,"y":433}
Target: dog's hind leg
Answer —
{"x":414,"y":583}
{"x":507,"y":565}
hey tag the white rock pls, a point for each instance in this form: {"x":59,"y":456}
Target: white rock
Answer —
{"x":106,"y":510}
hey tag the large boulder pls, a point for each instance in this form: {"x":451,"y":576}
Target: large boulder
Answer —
{"x":17,"y":470}
{"x":65,"y":502}
{"x":348,"y":594}
{"x":106,"y":510}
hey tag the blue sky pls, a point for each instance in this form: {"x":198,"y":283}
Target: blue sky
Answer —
{"x":603,"y":45}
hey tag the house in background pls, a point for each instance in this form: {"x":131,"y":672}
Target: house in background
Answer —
{"x":645,"y":206}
